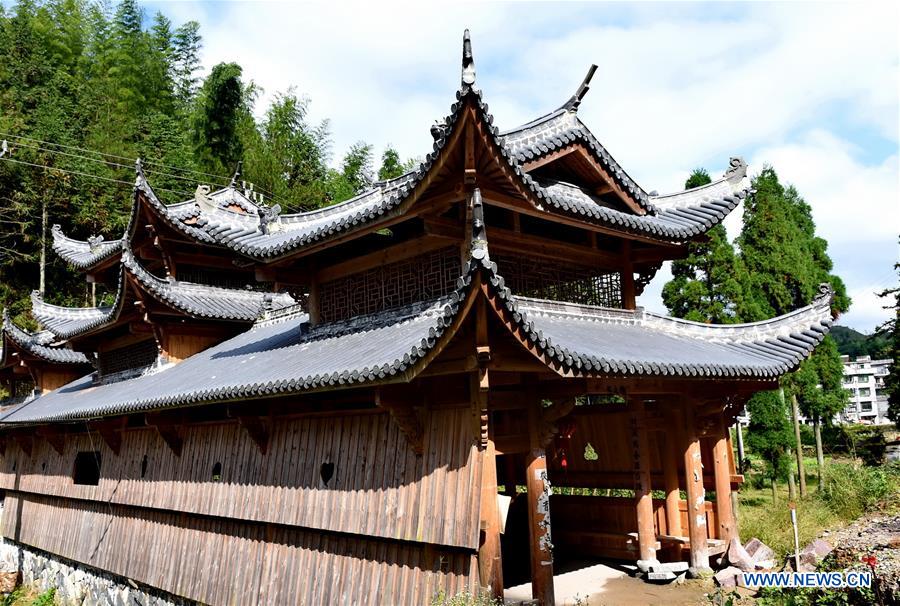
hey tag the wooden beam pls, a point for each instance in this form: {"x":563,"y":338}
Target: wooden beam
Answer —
{"x":724,"y":511}
{"x":169,"y":429}
{"x":538,"y":485}
{"x":471,"y":170}
{"x":56,"y":439}
{"x":643,"y":497}
{"x":110,"y":432}
{"x":628,"y":293}
{"x":696,"y":495}
{"x":391,"y":254}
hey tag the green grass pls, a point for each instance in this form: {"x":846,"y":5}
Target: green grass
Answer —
{"x":850,"y":490}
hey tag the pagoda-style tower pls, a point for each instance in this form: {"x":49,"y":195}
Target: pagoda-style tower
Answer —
{"x":462,"y":331}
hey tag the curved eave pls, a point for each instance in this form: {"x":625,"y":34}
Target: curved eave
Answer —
{"x":558,"y":129}
{"x":82,"y":255}
{"x":66,"y":322}
{"x":204,"y":302}
{"x":38,"y":345}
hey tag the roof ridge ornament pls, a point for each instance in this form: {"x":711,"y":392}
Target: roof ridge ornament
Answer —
{"x":202,"y":199}
{"x":575,"y":100}
{"x":468,"y":62}
{"x":238,"y":171}
{"x":737,"y":169}
{"x":94,"y":243}
{"x":139,"y":173}
{"x":270,"y":219}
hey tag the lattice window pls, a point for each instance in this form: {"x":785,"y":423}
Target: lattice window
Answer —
{"x":394,"y":285}
{"x":131,"y":357}
{"x":542,"y":279}
{"x":221,"y":277}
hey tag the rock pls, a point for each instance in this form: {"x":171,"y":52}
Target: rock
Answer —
{"x":699,"y":573}
{"x":764,"y":564}
{"x":819,"y":547}
{"x":728,"y":577}
{"x":672,"y":567}
{"x":737,"y":556}
{"x":647,"y":565}
{"x":759,"y":550}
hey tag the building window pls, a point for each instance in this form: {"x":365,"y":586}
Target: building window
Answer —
{"x":865,"y":391}
{"x":866,"y":406}
{"x":87,"y":468}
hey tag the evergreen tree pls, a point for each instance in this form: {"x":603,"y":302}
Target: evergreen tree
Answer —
{"x":220,"y":110}
{"x":769,"y":434}
{"x":704,"y":285}
{"x":391,"y":167}
{"x":891,"y":330}
{"x":782,"y":264}
{"x":355,"y":175}
{"x":186,"y":61}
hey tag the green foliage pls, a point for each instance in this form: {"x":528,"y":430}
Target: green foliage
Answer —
{"x":45,"y":599}
{"x":221,"y":108}
{"x":705,"y":285}
{"x":464,"y":599}
{"x":890,"y":330}
{"x":854,"y":343}
{"x":769,"y":434}
{"x":818,"y":383}
{"x":851,"y":489}
{"x":865,"y":442}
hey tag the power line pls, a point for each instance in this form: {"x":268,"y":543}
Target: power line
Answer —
{"x":92,"y":176}
{"x":114,"y":156}
{"x":107,"y":162}
{"x":144,"y":163}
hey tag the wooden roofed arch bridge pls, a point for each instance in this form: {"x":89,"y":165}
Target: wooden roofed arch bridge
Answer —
{"x":327,"y":407}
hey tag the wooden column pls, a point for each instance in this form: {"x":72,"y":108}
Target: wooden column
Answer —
{"x":672,"y":454}
{"x":722,"y":470}
{"x":696,"y":495}
{"x":490,"y":564}
{"x":643,"y":497}
{"x":539,"y":513}
{"x":629,"y":297}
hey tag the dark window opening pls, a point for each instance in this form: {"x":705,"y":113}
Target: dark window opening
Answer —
{"x":87,"y":468}
{"x":326,"y":472}
{"x":144,"y":466}
{"x":217,"y":472}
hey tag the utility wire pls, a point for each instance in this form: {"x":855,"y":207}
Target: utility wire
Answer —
{"x":92,"y":176}
{"x":145,"y":163}
{"x":109,"y":163}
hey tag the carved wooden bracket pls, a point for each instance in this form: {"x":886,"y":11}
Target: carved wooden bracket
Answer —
{"x":56,"y":439}
{"x":404,"y":415}
{"x":551,"y":415}
{"x":25,"y":442}
{"x":258,"y":430}
{"x":169,"y":430}
{"x":110,"y":432}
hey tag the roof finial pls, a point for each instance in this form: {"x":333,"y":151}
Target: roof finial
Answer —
{"x":237,"y":173}
{"x":139,"y":171}
{"x":737,"y":169}
{"x":468,"y":62}
{"x":575,"y":100}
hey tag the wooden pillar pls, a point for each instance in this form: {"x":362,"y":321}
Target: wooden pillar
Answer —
{"x":539,"y":513}
{"x":722,"y":470}
{"x":672,"y":454}
{"x":629,"y":297}
{"x":696,"y":495}
{"x":490,"y":564}
{"x":643,"y":497}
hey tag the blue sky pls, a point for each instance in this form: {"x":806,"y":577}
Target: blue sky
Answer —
{"x":811,"y":88}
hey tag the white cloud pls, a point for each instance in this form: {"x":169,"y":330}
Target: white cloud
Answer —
{"x":678,"y":86}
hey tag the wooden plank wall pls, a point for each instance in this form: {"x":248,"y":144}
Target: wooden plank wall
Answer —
{"x":218,"y":561}
{"x":379,"y":489}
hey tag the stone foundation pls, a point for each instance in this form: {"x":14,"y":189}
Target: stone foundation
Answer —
{"x":80,"y":585}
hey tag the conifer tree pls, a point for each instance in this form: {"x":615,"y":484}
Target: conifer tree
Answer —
{"x":704,"y":285}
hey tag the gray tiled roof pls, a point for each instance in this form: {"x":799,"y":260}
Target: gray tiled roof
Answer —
{"x":285,"y":356}
{"x":40,"y":344}
{"x":558,"y":129}
{"x":245,"y":233}
{"x":83,"y":254}
{"x":194,"y":300}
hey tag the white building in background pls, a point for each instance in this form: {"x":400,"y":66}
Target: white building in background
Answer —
{"x":864,"y":380}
